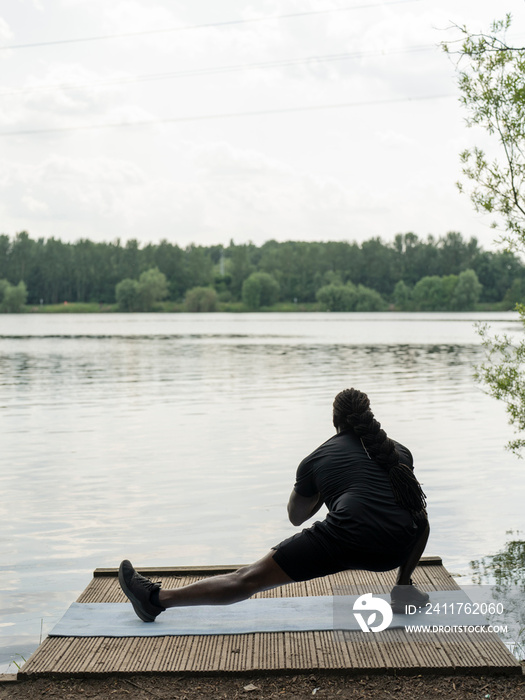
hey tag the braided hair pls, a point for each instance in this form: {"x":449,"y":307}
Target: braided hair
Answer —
{"x":352,"y":411}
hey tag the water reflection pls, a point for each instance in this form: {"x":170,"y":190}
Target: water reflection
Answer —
{"x":130,"y":359}
{"x":506,"y":569}
{"x":502,"y":576}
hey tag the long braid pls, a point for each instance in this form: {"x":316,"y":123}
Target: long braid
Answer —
{"x":352,"y":410}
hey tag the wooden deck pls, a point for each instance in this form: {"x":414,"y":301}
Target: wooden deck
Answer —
{"x":388,"y":651}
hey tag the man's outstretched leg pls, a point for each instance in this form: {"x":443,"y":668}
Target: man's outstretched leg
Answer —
{"x":149,"y":600}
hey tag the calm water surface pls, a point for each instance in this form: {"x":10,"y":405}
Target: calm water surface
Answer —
{"x":174,"y":439}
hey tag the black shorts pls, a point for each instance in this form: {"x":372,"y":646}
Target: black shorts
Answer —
{"x":315,"y":552}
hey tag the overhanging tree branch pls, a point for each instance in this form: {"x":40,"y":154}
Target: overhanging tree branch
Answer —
{"x":492,"y":84}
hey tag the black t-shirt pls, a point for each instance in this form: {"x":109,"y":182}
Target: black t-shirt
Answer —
{"x":357,"y":492}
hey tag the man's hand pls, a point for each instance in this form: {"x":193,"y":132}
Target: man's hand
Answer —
{"x":300,"y":508}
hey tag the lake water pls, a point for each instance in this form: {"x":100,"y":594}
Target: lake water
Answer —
{"x":174,"y":439}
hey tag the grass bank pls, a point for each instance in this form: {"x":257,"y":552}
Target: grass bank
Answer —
{"x":165,"y":307}
{"x":222,"y":307}
{"x":73,"y":308}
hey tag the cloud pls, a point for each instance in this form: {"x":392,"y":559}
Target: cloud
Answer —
{"x":5,"y":31}
{"x":62,"y":188}
{"x":34,"y":206}
{"x":50,"y":92}
{"x":37,"y":4}
{"x":311,"y":175}
{"x":129,"y":16}
{"x":216,"y":192}
{"x":219,"y":192}
{"x":247,"y":195}
{"x":132,"y":16}
{"x":46,"y":102}
{"x":394,"y":139}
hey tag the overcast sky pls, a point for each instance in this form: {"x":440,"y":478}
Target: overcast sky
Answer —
{"x":361,"y":140}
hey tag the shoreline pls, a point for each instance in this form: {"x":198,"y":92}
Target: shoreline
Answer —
{"x":236,"y":308}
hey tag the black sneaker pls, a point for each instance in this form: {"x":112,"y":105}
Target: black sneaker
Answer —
{"x":139,"y":589}
{"x":401,"y":596}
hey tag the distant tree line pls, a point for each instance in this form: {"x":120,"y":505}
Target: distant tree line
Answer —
{"x":410,"y":273}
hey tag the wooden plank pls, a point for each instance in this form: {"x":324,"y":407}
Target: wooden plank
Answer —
{"x":392,"y":650}
{"x":277,"y":652}
{"x":434,"y":579}
{"x":431,"y":560}
{"x":213,"y":570}
{"x":8,"y":677}
{"x":174,"y":570}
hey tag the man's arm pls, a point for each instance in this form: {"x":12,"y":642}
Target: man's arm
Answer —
{"x":300,"y":508}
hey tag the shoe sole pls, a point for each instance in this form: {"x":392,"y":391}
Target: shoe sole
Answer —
{"x":137,"y":607}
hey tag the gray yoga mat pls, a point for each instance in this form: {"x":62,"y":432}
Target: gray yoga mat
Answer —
{"x":253,"y":615}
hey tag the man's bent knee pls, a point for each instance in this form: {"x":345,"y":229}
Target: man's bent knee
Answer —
{"x":262,"y":575}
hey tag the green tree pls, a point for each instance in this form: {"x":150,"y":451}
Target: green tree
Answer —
{"x":260,"y":289}
{"x":130,"y":259}
{"x":515,"y":294}
{"x":402,"y":296}
{"x":297,"y":266}
{"x":240,"y":266}
{"x":428,"y":294}
{"x":127,"y":295}
{"x":492,"y":88}
{"x":169,"y":259}
{"x":198,"y":267}
{"x":491,"y":80}
{"x":456,"y":254}
{"x":152,"y":287}
{"x":337,"y":297}
{"x":141,"y":295}
{"x":56,"y":271}
{"x":201,"y":300}
{"x":12,"y":298}
{"x":497,"y":271}
{"x":4,"y":286}
{"x":415,"y":258}
{"x":222,"y":284}
{"x":83,"y":270}
{"x":466,"y":292}
{"x":449,"y":284}
{"x":21,"y":256}
{"x":378,"y":270}
{"x":5,"y":248}
{"x":368,"y":299}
